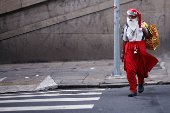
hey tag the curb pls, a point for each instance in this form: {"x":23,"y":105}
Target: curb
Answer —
{"x":47,"y":84}
{"x":88,"y":86}
{"x":108,"y":85}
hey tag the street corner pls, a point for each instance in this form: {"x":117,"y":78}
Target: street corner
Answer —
{"x":26,"y":83}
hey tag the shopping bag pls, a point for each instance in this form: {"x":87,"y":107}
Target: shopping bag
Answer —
{"x":153,"y":42}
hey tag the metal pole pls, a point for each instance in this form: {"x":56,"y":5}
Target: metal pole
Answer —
{"x":116,"y":71}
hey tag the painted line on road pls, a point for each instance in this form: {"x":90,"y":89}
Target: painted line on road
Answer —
{"x":85,"y":90}
{"x":65,"y":91}
{"x":37,"y":108}
{"x":16,"y":96}
{"x":57,"y":91}
{"x":50,"y":100}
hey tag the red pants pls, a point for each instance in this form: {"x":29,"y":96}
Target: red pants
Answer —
{"x":137,"y":62}
{"x":139,"y":71}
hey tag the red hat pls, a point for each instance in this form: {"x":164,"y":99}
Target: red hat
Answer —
{"x":135,"y":12}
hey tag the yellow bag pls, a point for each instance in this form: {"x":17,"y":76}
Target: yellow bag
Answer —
{"x":153,"y":42}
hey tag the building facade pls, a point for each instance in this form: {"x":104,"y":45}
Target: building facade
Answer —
{"x":67,"y":30}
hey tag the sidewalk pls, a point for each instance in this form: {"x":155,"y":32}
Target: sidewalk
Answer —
{"x":78,"y":74}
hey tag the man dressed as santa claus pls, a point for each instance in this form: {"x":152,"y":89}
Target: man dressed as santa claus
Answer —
{"x":136,"y":60}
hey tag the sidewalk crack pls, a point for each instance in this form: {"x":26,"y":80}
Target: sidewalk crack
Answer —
{"x":85,"y":77}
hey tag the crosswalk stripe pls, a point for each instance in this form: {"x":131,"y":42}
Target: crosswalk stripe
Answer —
{"x":60,"y":91}
{"x":50,"y":100}
{"x":17,"y":98}
{"x":89,"y":93}
{"x":85,"y":90}
{"x":37,"y":108}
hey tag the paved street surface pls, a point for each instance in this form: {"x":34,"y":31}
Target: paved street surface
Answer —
{"x":155,"y":99}
{"x":78,"y":74}
{"x":50,"y":101}
{"x":37,"y":87}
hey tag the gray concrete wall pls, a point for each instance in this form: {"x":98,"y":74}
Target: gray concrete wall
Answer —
{"x":11,"y":5}
{"x":56,"y":30}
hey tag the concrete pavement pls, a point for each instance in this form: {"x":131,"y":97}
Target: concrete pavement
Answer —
{"x":78,"y":74}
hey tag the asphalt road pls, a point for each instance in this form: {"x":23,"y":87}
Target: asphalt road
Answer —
{"x":155,"y":99}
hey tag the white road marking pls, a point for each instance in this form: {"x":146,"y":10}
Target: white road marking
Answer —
{"x":16,"y":96}
{"x":37,"y":108}
{"x":10,"y":99}
{"x":85,"y":90}
{"x":58,"y":91}
{"x":50,"y":100}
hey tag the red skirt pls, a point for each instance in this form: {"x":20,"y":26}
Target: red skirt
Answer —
{"x":138,"y":47}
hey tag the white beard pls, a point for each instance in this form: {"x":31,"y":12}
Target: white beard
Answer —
{"x":132,"y":24}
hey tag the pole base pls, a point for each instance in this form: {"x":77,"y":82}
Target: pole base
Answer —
{"x":117,"y":76}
